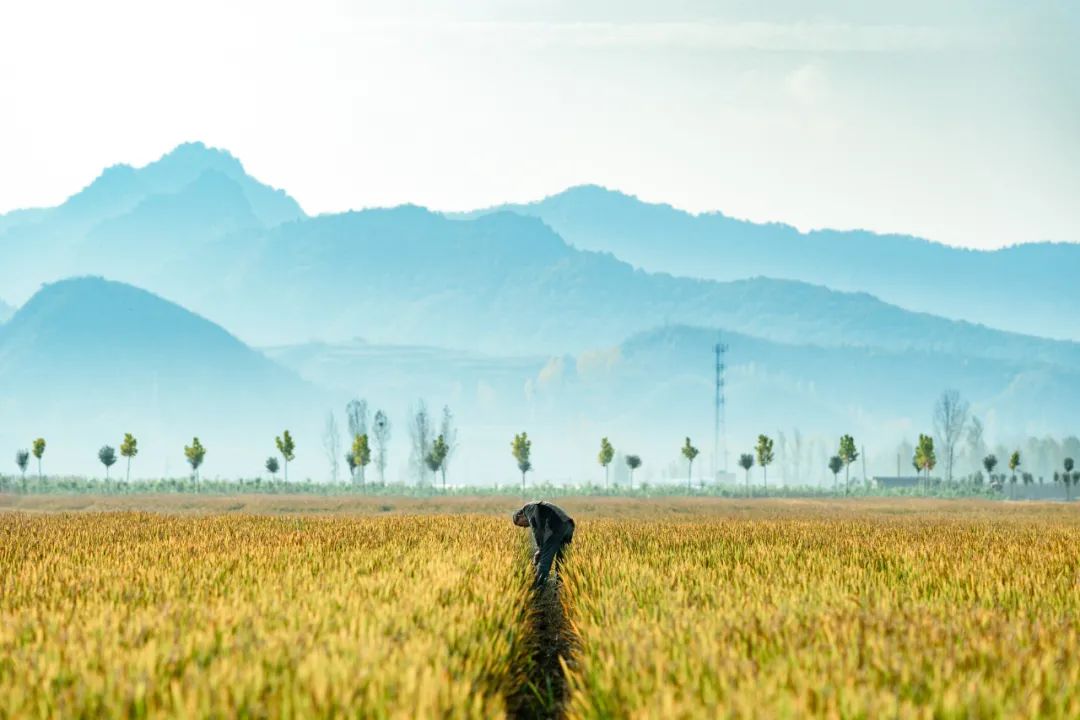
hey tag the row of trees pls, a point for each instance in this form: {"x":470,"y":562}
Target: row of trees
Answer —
{"x":370,"y":441}
{"x":605,"y":457}
{"x":764,"y":455}
{"x":952,"y":422}
{"x":847,"y":453}
{"x":1069,"y":477}
{"x":924,"y":459}
{"x":129,"y":448}
{"x":430,"y":451}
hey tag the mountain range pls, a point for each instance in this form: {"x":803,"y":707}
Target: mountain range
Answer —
{"x":501,"y":283}
{"x":914,"y":273}
{"x":494,"y":313}
{"x":138,"y":217}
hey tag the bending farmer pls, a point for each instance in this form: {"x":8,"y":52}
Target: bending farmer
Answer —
{"x":552,"y":530}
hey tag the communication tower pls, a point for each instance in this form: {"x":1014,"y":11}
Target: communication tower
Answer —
{"x":719,"y":429}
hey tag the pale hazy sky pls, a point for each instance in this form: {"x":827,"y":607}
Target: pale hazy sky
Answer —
{"x":954,"y":119}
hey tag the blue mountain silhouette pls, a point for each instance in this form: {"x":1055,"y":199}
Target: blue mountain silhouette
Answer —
{"x":492,"y":312}
{"x":978,"y":286}
{"x":86,"y":358}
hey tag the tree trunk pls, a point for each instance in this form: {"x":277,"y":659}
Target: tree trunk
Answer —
{"x":607,"y":482}
{"x":748,"y":491}
{"x":765,"y":477}
{"x":689,"y":476}
{"x":847,"y":479}
{"x":443,"y":471}
{"x":39,"y":470}
{"x":522,"y":482}
{"x":128,"y":476}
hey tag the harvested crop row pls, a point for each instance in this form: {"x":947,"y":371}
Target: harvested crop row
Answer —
{"x":130,"y":614}
{"x":870,"y":617}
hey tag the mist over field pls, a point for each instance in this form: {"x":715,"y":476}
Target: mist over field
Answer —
{"x":187,"y":298}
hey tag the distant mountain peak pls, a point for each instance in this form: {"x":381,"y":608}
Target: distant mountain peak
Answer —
{"x":197,"y":156}
{"x":175,"y":168}
{"x":82,"y":311}
{"x":593,"y":189}
{"x":613,"y":197}
{"x":120,"y":172}
{"x":196,"y":147}
{"x":121,"y":188}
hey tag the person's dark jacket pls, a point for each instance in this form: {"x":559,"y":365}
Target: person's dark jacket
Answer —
{"x":552,"y":530}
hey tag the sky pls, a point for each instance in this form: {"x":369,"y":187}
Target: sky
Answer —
{"x":958,"y":121}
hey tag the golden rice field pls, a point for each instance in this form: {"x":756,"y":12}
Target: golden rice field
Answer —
{"x":764,"y":609}
{"x":919,"y":615}
{"x":137,"y":614}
